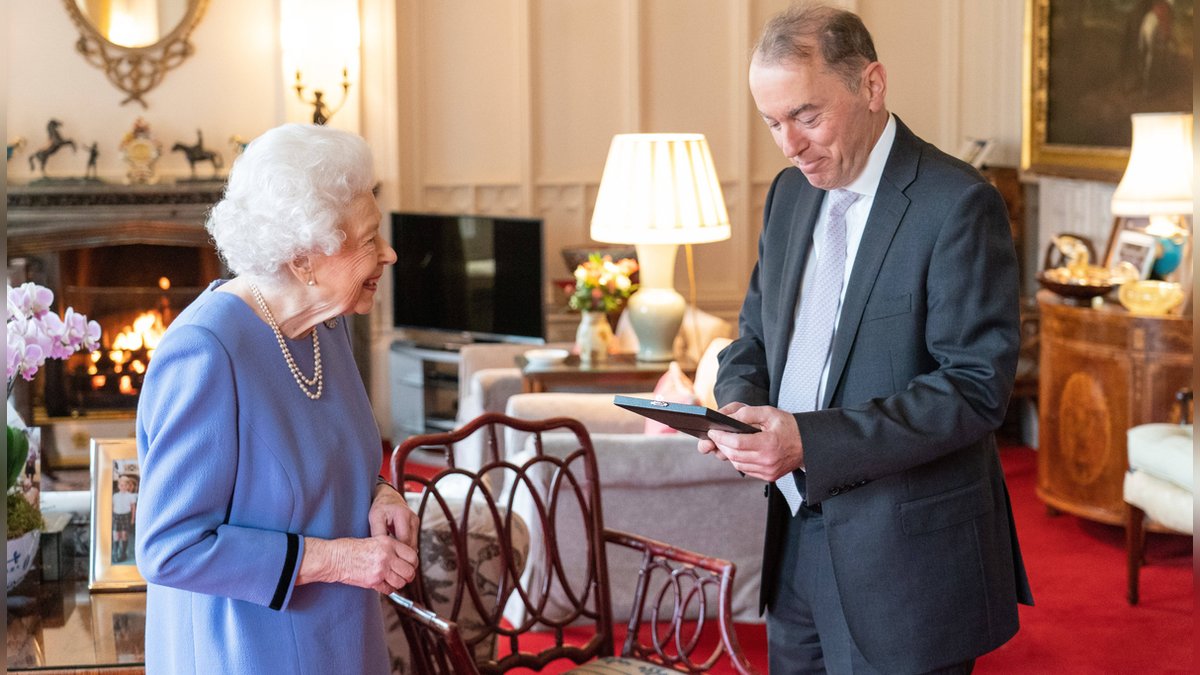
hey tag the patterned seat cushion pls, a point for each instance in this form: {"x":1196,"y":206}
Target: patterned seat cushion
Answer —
{"x":615,"y":665}
{"x":439,"y":570}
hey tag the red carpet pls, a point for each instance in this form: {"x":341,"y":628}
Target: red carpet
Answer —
{"x":1081,"y":623}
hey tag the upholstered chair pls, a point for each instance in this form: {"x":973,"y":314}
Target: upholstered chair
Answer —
{"x":1160,"y":486}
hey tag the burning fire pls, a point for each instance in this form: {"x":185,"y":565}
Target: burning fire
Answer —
{"x":130,"y":351}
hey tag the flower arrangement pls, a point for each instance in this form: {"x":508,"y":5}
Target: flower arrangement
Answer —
{"x":602,"y":285}
{"x":34,"y":335}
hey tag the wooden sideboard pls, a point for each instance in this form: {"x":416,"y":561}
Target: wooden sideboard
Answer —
{"x":1102,"y":371}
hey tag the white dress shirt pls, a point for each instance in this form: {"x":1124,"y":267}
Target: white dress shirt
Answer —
{"x":856,"y":222}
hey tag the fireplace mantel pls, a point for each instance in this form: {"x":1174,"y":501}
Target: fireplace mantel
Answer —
{"x":54,"y":216}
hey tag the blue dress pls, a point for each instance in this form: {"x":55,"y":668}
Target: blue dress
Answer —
{"x":238,"y":466}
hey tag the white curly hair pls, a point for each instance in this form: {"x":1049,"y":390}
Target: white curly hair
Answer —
{"x":286,"y":196}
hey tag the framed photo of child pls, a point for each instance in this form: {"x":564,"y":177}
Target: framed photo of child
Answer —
{"x":116,"y":477}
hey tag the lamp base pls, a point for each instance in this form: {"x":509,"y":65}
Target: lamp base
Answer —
{"x":656,"y":314}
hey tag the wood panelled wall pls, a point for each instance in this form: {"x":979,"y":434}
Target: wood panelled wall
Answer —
{"x":508,"y":107}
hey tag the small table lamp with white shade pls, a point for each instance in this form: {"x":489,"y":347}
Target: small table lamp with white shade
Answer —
{"x":1158,"y":179}
{"x":1157,"y":184}
{"x":658,"y":191}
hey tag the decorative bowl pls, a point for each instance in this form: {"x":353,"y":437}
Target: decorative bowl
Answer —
{"x":1080,"y":290}
{"x":1150,"y":298}
{"x":546,"y":357}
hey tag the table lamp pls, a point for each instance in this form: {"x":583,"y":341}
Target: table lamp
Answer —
{"x":1158,"y":179}
{"x":658,"y":191}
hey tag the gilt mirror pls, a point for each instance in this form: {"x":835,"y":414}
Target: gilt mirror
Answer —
{"x":135,"y":42}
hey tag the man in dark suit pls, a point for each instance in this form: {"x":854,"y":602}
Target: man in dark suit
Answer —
{"x":878,"y":345}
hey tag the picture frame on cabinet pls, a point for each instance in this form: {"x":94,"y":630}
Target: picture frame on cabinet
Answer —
{"x":115,"y":480}
{"x":1134,"y":247}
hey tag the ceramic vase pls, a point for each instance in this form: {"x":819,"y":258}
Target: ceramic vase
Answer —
{"x":19,"y":558}
{"x":593,"y":337}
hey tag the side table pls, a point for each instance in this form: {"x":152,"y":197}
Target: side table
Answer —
{"x":619,"y":371}
{"x":1102,"y":371}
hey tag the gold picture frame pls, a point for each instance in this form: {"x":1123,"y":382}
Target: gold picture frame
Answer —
{"x":1087,"y":67}
{"x":112,"y":564}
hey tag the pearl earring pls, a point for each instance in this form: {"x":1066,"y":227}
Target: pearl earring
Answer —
{"x":312,"y":282}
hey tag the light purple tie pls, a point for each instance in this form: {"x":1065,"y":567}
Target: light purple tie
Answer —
{"x":812,"y":333}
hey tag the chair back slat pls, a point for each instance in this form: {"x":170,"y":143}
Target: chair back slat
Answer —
{"x":550,"y":491}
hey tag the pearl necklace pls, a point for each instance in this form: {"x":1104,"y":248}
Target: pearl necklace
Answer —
{"x":304,"y":383}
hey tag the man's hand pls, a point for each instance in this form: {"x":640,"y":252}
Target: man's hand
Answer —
{"x":706,"y":446}
{"x":390,"y":515}
{"x":773,"y":452}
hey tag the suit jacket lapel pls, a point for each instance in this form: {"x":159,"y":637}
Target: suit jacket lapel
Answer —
{"x":801,"y":223}
{"x":886,"y":212}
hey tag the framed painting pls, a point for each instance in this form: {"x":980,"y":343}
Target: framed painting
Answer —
{"x":115,"y":480}
{"x":1088,"y":67}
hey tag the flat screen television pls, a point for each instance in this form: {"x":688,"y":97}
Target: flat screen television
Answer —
{"x":461,"y":278}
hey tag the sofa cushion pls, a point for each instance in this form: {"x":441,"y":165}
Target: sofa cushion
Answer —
{"x":1163,"y":451}
{"x":706,"y":373}
{"x":674,"y":387}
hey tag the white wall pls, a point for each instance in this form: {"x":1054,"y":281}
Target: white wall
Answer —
{"x":508,"y":106}
{"x":231,"y":85}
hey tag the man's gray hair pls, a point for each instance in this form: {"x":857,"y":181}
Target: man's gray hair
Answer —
{"x":803,"y":30}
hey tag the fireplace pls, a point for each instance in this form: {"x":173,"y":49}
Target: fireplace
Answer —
{"x":129,"y":257}
{"x":133,"y":291}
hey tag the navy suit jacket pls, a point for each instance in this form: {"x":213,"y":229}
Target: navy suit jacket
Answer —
{"x":902,"y":456}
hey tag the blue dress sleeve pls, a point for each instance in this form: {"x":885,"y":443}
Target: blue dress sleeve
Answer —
{"x":188,"y":446}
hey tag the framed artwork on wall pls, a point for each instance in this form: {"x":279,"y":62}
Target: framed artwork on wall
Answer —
{"x":1088,"y":67}
{"x":115,"y":480}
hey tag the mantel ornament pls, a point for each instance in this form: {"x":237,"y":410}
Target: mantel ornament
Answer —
{"x":134,"y":60}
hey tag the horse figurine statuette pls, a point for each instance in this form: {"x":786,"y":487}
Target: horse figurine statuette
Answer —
{"x":196,"y":153}
{"x":55,"y":143}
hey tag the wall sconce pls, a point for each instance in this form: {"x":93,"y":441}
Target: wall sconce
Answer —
{"x":659,"y":191}
{"x":320,"y":41}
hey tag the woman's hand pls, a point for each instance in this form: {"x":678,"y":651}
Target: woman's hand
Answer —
{"x":379,"y":562}
{"x":390,"y":515}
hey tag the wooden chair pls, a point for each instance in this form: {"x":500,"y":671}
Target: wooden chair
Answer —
{"x":681,"y":619}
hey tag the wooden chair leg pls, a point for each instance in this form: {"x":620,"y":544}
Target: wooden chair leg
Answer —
{"x":1135,"y":542}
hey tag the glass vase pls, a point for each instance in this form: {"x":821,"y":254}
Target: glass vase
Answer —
{"x":593,"y":338}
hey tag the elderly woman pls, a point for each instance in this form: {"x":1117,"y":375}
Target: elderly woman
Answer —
{"x":263,"y":529}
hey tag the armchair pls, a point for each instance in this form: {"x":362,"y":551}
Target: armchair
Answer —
{"x":1159,"y":485}
{"x":565,"y":510}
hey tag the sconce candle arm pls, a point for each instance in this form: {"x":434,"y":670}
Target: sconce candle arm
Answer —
{"x":322,"y":113}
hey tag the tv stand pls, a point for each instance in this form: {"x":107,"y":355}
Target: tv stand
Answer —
{"x":424,"y":383}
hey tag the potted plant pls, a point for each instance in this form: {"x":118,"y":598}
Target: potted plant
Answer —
{"x":34,"y":335}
